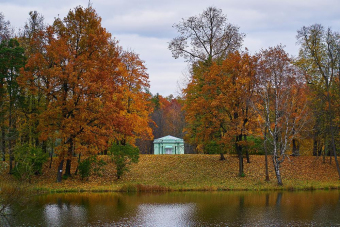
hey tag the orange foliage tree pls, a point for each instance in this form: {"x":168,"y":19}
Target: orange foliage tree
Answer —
{"x":217,"y":109}
{"x":92,"y":89}
{"x":137,"y":107}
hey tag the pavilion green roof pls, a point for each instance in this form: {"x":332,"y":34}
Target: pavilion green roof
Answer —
{"x":168,"y":139}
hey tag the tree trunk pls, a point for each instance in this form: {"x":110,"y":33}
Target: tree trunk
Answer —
{"x":332,"y":132}
{"x":44,"y":146}
{"x":320,"y":148}
{"x":11,"y":157}
{"x":51,"y":160}
{"x":12,"y":142}
{"x":69,"y":159}
{"x":3,"y":143}
{"x":315,"y":141}
{"x":10,"y":152}
{"x":296,"y":148}
{"x":51,"y":153}
{"x":68,"y":167}
{"x":315,"y":146}
{"x":222,"y":157}
{"x":324,"y":150}
{"x":76,"y":172}
{"x":240,"y":155}
{"x":266,"y":154}
{"x":247,"y":152}
{"x":277,"y":170}
{"x":335,"y":156}
{"x":60,"y":171}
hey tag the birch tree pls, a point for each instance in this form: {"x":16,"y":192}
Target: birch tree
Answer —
{"x":280,"y":102}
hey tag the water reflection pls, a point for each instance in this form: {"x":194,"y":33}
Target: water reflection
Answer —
{"x":165,"y":215}
{"x":318,"y":208}
{"x":58,"y":214}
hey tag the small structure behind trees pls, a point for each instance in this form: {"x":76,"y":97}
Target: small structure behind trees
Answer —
{"x":168,"y":145}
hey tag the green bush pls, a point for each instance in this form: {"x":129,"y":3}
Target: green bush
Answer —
{"x":28,"y":161}
{"x":89,"y":165}
{"x":84,"y":168}
{"x":256,"y":145}
{"x":3,"y":167}
{"x":98,"y":166}
{"x":213,"y":148}
{"x":123,"y":156}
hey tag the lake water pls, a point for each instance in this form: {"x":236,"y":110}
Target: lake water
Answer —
{"x":312,"y":208}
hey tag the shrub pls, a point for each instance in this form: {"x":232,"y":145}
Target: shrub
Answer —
{"x":28,"y":161}
{"x":213,"y":148}
{"x":89,"y":165}
{"x":98,"y":166}
{"x":123,"y":156}
{"x":255,"y":145}
{"x":3,"y":167}
{"x":85,"y":168}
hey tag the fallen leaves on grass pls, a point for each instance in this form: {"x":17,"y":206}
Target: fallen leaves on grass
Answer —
{"x":198,"y":172}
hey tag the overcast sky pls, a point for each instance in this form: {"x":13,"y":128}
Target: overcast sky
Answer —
{"x":145,"y":26}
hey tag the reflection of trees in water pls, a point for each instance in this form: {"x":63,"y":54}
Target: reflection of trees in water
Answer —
{"x":242,"y":219}
{"x":267,"y":199}
{"x":14,"y":198}
{"x":4,"y":221}
{"x":278,"y":200}
{"x":200,"y":209}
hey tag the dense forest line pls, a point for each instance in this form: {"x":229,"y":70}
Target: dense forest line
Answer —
{"x":69,"y":89}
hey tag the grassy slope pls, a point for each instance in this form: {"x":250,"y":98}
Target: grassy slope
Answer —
{"x":200,"y":172}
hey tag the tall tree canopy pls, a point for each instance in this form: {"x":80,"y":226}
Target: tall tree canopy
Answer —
{"x":319,"y":57}
{"x":206,"y":41}
{"x":218,"y":111}
{"x":89,"y":86}
{"x":206,"y":37}
{"x":280,"y":102}
{"x":11,"y":60}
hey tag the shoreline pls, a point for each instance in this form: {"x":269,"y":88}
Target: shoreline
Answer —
{"x":150,"y":189}
{"x":195,"y":172}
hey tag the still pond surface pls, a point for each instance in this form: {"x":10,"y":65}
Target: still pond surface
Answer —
{"x":313,"y":208}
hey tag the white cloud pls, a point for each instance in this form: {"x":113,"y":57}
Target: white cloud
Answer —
{"x":148,"y":22}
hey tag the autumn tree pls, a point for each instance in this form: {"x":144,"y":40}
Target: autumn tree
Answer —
{"x":203,"y":40}
{"x":90,"y":99}
{"x":221,"y":111}
{"x":133,"y":85}
{"x":280,"y":102}
{"x":319,"y":57}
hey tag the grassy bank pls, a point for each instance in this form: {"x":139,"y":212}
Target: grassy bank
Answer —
{"x":196,"y":172}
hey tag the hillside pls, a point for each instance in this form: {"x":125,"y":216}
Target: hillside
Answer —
{"x":198,"y":172}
